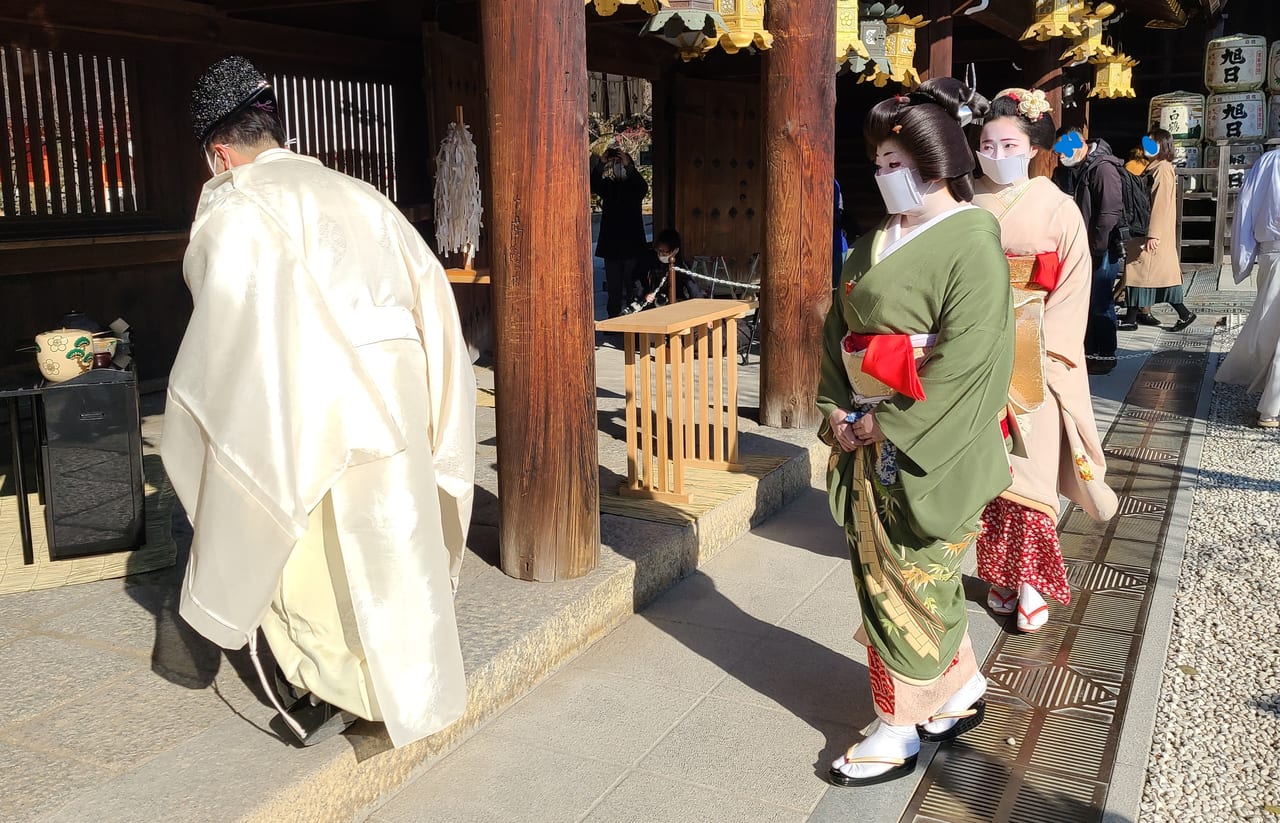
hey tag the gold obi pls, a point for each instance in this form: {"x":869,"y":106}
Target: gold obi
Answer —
{"x":1027,"y":390}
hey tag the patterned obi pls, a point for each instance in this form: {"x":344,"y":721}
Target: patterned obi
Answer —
{"x":1034,"y":272}
{"x":1032,"y":276}
{"x":882,"y":365}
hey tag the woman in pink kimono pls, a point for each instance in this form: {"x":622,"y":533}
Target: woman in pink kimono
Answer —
{"x":1044,"y":237}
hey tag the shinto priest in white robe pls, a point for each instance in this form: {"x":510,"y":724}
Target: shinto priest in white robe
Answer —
{"x":320,"y":432}
{"x":1254,"y":360}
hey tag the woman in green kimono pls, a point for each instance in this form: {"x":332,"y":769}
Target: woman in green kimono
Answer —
{"x":917,"y":359}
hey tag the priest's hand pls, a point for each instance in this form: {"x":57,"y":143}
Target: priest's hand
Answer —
{"x":867,"y":431}
{"x":842,"y":430}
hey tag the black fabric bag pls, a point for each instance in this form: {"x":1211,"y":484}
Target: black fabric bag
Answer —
{"x":1137,"y":204}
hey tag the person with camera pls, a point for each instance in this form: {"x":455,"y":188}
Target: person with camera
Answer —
{"x":622,"y":190}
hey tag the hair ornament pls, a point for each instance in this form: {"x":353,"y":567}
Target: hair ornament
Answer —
{"x":897,"y":129}
{"x":1032,"y":104}
{"x":964,"y":114}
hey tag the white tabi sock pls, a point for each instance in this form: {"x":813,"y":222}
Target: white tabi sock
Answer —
{"x":973,"y":689}
{"x":891,"y":742}
{"x":1029,"y":599}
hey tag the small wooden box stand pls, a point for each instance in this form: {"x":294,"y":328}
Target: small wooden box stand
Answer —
{"x":687,"y":415}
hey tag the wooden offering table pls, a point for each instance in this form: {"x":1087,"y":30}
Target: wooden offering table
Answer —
{"x":687,"y":416}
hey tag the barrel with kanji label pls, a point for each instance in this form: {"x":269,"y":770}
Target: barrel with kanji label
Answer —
{"x":1181,"y":113}
{"x":1273,"y":69}
{"x":1243,"y":155}
{"x":1237,"y":63}
{"x":1187,"y":155}
{"x":1236,"y":118}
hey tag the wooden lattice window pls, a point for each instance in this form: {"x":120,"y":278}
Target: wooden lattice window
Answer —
{"x":66,"y":135}
{"x":348,"y":125}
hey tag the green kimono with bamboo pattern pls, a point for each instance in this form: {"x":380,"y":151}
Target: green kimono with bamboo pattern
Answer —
{"x":907,"y":538}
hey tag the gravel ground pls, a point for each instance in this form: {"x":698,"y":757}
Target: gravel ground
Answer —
{"x":1216,"y":752}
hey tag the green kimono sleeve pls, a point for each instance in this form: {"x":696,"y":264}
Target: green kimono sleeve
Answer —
{"x":834,"y":389}
{"x":955,"y":454}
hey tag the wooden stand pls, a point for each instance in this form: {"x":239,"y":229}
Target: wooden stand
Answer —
{"x":682,"y":393}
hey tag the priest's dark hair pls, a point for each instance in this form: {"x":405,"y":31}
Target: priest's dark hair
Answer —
{"x":927,"y":122}
{"x":1041,"y":132}
{"x":252,"y":128}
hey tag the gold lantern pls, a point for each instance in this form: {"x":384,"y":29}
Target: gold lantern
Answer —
{"x":1089,"y":44}
{"x":1055,"y":18}
{"x":849,"y":46}
{"x":1114,"y":77}
{"x":744,"y":26}
{"x":604,"y":8}
{"x":899,"y":54}
{"x":692,"y":26}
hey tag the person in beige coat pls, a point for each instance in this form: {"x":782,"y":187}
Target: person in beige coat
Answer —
{"x":1154,"y":274}
{"x":1043,"y":233}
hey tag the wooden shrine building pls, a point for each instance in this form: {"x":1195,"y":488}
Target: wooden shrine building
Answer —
{"x":100,"y":174}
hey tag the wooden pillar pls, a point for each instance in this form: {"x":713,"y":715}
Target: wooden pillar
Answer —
{"x":540,"y":230}
{"x":799,"y":137}
{"x":938,"y":35}
{"x":1044,"y":71}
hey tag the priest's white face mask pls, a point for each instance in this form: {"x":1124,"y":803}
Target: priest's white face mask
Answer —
{"x":1005,"y":152}
{"x":901,"y":185}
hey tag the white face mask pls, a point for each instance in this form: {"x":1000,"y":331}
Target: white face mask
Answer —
{"x":666,"y":258}
{"x":1006,"y":170}
{"x":901,"y":190}
{"x":1070,"y":161}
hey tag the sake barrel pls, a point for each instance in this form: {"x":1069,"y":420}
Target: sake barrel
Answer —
{"x":1187,"y":155}
{"x":1237,"y":63}
{"x":1237,"y":118}
{"x":1273,"y":116}
{"x":1273,"y":70}
{"x":1181,"y":113}
{"x":1242,"y":154}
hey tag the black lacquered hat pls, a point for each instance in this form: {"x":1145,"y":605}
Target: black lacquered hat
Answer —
{"x":228,"y":87}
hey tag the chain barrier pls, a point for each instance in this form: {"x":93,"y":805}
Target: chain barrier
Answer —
{"x":733,"y":284}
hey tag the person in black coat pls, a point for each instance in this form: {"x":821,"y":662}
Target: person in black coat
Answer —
{"x":1090,"y":174}
{"x":622,"y":190}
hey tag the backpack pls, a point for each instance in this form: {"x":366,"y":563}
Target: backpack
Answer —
{"x":1137,"y":204}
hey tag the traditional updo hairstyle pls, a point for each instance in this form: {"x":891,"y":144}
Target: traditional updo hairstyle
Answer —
{"x":927,"y":123}
{"x":1040,"y":130}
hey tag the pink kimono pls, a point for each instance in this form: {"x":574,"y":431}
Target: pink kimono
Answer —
{"x":1019,"y":541}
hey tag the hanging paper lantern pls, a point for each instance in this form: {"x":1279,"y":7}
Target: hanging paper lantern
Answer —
{"x":898,"y":63}
{"x":604,"y":8}
{"x":1055,"y":18}
{"x":692,"y":26}
{"x":1114,"y":77}
{"x":1089,"y":44}
{"x":849,"y":46}
{"x":744,"y":26}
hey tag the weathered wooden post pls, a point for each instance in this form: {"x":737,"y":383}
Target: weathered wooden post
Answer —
{"x":799,"y":136}
{"x":548,"y":476}
{"x":938,"y":35}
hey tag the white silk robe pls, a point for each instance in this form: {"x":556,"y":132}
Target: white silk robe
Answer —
{"x":1254,"y":360}
{"x":324,"y":390}
{"x":1064,"y":451}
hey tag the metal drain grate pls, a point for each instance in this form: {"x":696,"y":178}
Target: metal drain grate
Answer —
{"x":1060,"y":694}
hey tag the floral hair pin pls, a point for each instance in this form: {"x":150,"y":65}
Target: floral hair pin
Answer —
{"x":1032,"y":104}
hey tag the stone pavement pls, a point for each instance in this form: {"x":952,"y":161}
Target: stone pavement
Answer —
{"x":729,"y":696}
{"x":111,"y":710}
